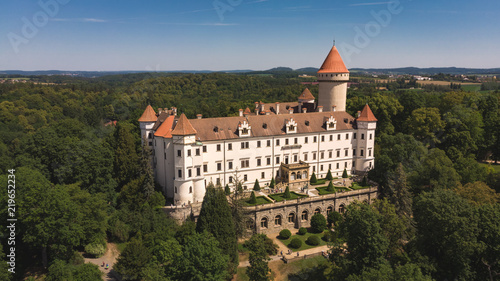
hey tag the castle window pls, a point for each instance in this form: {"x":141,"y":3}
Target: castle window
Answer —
{"x":371,"y":136}
{"x":369,"y":152}
{"x":268,"y":143}
{"x":258,"y":162}
{"x":189,"y":173}
{"x":197,"y":151}
{"x":286,"y":141}
{"x":245,"y":163}
{"x":295,"y":140}
{"x":361,"y":153}
{"x":286,"y":159}
{"x":190,"y":189}
{"x":198,"y":171}
{"x":229,"y":146}
{"x":263,"y":223}
{"x":150,"y":143}
{"x":262,"y":175}
{"x":291,"y":218}
{"x":268,"y":160}
{"x":362,"y":136}
{"x":277,"y":142}
{"x":354,"y":152}
{"x":330,"y":154}
{"x":338,"y":137}
{"x":245,"y":178}
{"x":217,"y":182}
{"x":219,"y":166}
{"x":346,"y":152}
{"x":175,"y":189}
{"x":345,"y":164}
{"x":338,"y":166}
{"x":315,"y":139}
{"x":314,"y":169}
{"x":338,"y":153}
{"x":331,"y":137}
{"x":244,"y":131}
{"x":277,"y":220}
{"x":354,"y":136}
{"x":204,"y":148}
{"x":179,"y":173}
{"x":189,"y":152}
{"x":295,"y":158}
{"x":322,"y":138}
{"x":277,"y":160}
{"x":305,"y":156}
{"x":317,"y":211}
{"x":321,"y":168}
{"x":258,"y":143}
{"x":205,"y":168}
{"x":304,"y":215}
{"x":346,"y":136}
{"x":179,"y":153}
{"x":314,"y":155}
{"x":150,"y":136}
{"x":329,"y":210}
{"x":342,"y":209}
{"x":230,"y":165}
{"x":230,"y":179}
{"x":306,"y":140}
{"x":218,"y":147}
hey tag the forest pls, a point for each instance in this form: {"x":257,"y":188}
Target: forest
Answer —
{"x":81,"y":181}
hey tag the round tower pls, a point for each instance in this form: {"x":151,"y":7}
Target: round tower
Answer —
{"x":147,"y":122}
{"x":333,"y":77}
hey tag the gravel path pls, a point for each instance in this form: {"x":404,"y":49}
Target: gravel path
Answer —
{"x":109,"y":257}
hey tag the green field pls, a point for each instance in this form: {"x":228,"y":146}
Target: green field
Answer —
{"x":357,"y":186}
{"x":293,"y":195}
{"x":495,"y":167}
{"x":304,"y":237}
{"x":471,"y":88}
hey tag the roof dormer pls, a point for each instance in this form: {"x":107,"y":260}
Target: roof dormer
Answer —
{"x":244,"y":129}
{"x":330,"y":123}
{"x":290,"y":126}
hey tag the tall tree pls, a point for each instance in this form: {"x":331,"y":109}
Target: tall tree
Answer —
{"x":133,"y":260}
{"x":126,"y":160}
{"x":259,"y":268}
{"x":216,"y":218}
{"x":425,"y":124}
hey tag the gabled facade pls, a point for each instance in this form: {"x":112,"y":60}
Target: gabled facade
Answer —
{"x":190,"y":153}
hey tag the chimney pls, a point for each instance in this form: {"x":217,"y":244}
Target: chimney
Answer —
{"x":359,"y":113}
{"x":304,"y":110}
{"x":241,"y":112}
{"x":160,"y":110}
{"x":199,"y":116}
{"x":290,"y":110}
{"x":300,"y":106}
{"x":256,"y":108}
{"x":277,"y":108}
{"x":262,"y":107}
{"x":333,"y":108}
{"x":174,"y":111}
{"x":320,"y":108}
{"x":268,"y":112}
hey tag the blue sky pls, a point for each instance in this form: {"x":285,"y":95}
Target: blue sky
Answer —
{"x":246,"y":34}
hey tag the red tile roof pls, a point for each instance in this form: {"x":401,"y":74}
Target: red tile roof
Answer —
{"x":149,"y":115}
{"x":306,"y":95}
{"x":333,"y":63}
{"x":165,"y":129}
{"x":366,"y":115}
{"x":183,"y":127}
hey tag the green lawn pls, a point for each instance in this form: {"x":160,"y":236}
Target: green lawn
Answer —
{"x":260,"y":201}
{"x":472,"y":88}
{"x":357,"y":186}
{"x":304,"y":237}
{"x":319,"y":182}
{"x":278,"y":197}
{"x":495,"y":167}
{"x":322,"y":190}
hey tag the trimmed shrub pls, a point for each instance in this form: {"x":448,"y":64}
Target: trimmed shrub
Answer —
{"x":272,"y":184}
{"x":302,"y":231}
{"x":330,"y":187}
{"x":344,"y":174}
{"x":313,"y":178}
{"x":253,"y":199}
{"x":318,"y":223}
{"x":329,"y":175}
{"x":295,"y":243}
{"x":285,"y":234}
{"x":287,"y":193}
{"x":256,"y":186}
{"x":313,"y":240}
{"x":227,"y":191}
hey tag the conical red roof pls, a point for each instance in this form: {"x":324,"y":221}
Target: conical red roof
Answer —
{"x":306,"y":95}
{"x":333,"y":63}
{"x":183,"y":127}
{"x":366,"y":115}
{"x":149,"y":115}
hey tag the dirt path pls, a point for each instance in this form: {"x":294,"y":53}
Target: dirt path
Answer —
{"x":109,"y":257}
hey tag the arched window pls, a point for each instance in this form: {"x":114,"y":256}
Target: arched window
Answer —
{"x":277,"y":220}
{"x":304,"y":215}
{"x":263,"y":223}
{"x":317,"y":211}
{"x":291,"y":218}
{"x":342,"y":209}
{"x":292,"y":176}
{"x":175,"y":189}
{"x":249,"y":224}
{"x":329,"y":210}
{"x":190,"y":189}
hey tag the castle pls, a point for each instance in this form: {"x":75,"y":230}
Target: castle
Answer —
{"x":285,"y":141}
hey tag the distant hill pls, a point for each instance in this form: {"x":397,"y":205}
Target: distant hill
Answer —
{"x":275,"y":71}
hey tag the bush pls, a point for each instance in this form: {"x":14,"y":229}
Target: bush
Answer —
{"x":256,"y":186}
{"x":287,"y":193}
{"x":295,"y":243}
{"x":76,"y":259}
{"x":302,"y":231}
{"x":330,"y":187}
{"x":329,"y":175}
{"x":253,"y":199}
{"x":334,"y":218}
{"x":318,"y":223}
{"x":344,"y":174}
{"x":285,"y":234}
{"x":272,"y":184}
{"x":328,"y":236}
{"x":227,"y":191}
{"x":268,"y":244}
{"x":313,"y":178}
{"x":313,"y":240}
{"x":96,"y":249}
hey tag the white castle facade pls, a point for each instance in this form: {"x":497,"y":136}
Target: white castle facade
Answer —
{"x":189,"y":154}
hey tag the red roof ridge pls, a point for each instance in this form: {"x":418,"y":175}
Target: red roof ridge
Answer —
{"x":366,"y":115}
{"x":333,"y":63}
{"x":306,"y":95}
{"x":183,"y":127}
{"x":149,"y":115}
